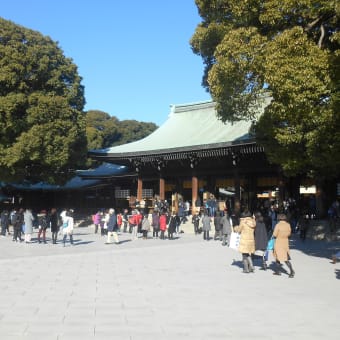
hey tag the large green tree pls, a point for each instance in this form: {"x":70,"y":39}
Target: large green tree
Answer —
{"x":288,"y":50}
{"x":42,"y":122}
{"x":104,"y":131}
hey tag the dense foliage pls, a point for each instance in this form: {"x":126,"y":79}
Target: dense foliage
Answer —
{"x":104,"y":131}
{"x":290,"y":51}
{"x":42,"y":122}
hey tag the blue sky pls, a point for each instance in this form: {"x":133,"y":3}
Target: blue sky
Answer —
{"x":134,"y":56}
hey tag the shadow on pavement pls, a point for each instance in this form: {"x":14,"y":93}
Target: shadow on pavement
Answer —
{"x":77,"y":243}
{"x":317,"y":248}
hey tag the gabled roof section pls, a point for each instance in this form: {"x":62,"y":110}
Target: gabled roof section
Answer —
{"x":106,"y":170}
{"x":187,"y":126}
{"x":74,"y":183}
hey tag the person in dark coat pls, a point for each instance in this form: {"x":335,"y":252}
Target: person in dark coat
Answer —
{"x":206,"y":225}
{"x":195,"y":220}
{"x":4,"y":222}
{"x":173,"y":223}
{"x":54,"y":224}
{"x":226,"y":228}
{"x":218,"y":226}
{"x":18,"y":221}
{"x":261,"y":238}
{"x":112,"y":227}
{"x":155,"y":224}
{"x":43,"y":225}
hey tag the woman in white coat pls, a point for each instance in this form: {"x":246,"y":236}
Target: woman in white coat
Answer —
{"x":68,"y":227}
{"x":28,"y":221}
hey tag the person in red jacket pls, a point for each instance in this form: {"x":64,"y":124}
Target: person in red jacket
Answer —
{"x":162,"y":225}
{"x":119,"y":220}
{"x":133,"y":222}
{"x":139,"y":218}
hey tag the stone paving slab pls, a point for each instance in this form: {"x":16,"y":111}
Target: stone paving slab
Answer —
{"x":154,"y":289}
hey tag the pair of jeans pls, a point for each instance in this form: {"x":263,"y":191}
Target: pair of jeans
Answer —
{"x":134,"y":232}
{"x":54,"y":237}
{"x":218,"y":234}
{"x":206,"y":235}
{"x":65,"y":237}
{"x":43,"y":232}
{"x":17,"y":234}
{"x":3,"y":230}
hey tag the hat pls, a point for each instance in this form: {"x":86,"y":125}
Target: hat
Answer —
{"x":43,"y":212}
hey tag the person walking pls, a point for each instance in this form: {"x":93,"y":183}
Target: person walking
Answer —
{"x":125,"y":220}
{"x":273,"y":216}
{"x":247,"y":242}
{"x":54,"y":224}
{"x":145,"y":226}
{"x":4,"y":219}
{"x":28,"y":221}
{"x":119,"y":221}
{"x":155,"y":224}
{"x":173,"y":223}
{"x":133,"y":223}
{"x":96,"y":221}
{"x":112,"y":227}
{"x":196,"y":222}
{"x":206,"y":225}
{"x":218,"y":226}
{"x":282,"y":231}
{"x":68,"y":226}
{"x":261,"y":239}
{"x":18,"y":221}
{"x":162,"y":225}
{"x":43,"y":225}
{"x":226,"y":228}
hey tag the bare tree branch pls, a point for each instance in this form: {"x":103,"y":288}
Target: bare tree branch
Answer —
{"x":322,"y":35}
{"x":312,"y":24}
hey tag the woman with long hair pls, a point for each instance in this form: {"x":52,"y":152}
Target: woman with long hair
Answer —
{"x":281,"y":233}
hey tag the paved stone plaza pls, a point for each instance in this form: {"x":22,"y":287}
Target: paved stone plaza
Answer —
{"x":186,"y":288}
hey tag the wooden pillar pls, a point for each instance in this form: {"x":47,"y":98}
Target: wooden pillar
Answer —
{"x":237,"y":185}
{"x":162,"y":188}
{"x":139,"y":189}
{"x":194,"y":193}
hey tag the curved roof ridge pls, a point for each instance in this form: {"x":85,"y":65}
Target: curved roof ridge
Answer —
{"x":188,"y":125}
{"x":178,"y":108}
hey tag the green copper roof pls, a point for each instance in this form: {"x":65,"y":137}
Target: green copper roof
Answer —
{"x":187,"y":125}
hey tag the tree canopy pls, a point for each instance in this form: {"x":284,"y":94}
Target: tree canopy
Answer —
{"x":42,"y":122}
{"x":104,"y":131}
{"x":288,"y":50}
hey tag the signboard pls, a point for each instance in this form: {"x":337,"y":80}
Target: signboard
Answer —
{"x":308,"y":190}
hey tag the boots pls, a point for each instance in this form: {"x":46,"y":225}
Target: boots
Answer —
{"x":264,"y":264}
{"x":291,"y":271}
{"x":250,"y":262}
{"x":277,"y":268}
{"x":245,"y":266}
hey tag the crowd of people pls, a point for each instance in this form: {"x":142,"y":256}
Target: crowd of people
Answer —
{"x":255,"y":229}
{"x":23,"y":222}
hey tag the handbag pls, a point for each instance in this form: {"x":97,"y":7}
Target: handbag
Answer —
{"x":234,"y":240}
{"x":271,"y":244}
